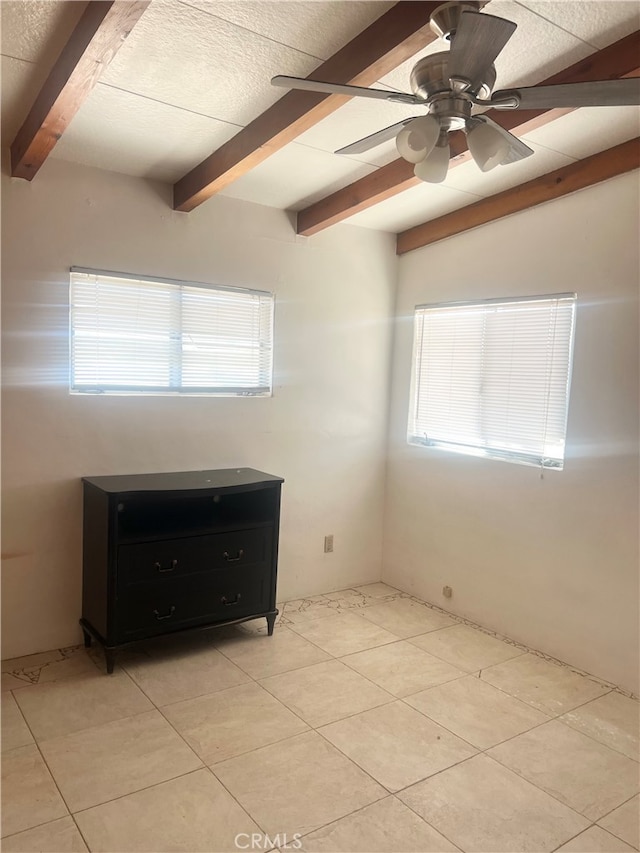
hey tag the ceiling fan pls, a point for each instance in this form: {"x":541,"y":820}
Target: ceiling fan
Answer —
{"x":454,"y":83}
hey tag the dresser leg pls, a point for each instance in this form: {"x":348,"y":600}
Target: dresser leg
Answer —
{"x":271,"y":621}
{"x":110,"y":655}
{"x":87,"y":639}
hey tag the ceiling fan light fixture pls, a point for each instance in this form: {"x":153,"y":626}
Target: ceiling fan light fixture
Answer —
{"x":488,"y":147}
{"x":417,"y":139}
{"x":433,"y":169}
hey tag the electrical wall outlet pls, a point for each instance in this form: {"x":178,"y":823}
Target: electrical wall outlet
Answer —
{"x":328,"y":544}
{"x":447,"y":591}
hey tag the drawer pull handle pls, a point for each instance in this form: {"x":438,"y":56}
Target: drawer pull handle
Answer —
{"x":170,"y":568}
{"x":168,"y":615}
{"x":228,"y":603}
{"x":227,"y":556}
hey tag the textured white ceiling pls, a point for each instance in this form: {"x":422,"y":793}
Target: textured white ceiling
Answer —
{"x":587,"y":131}
{"x":187,"y":58}
{"x":464,"y":185}
{"x":597,"y":23}
{"x":37,"y":30}
{"x":426,"y":201}
{"x":193,"y":72}
{"x":318,"y":28}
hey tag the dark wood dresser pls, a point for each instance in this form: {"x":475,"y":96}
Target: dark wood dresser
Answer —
{"x":170,"y":552}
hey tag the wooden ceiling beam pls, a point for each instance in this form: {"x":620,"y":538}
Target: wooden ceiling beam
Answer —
{"x":621,"y":59}
{"x":97,"y":37}
{"x":584,"y":173}
{"x":390,"y":40}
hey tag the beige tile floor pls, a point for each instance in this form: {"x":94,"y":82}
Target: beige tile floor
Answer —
{"x":368,"y":722}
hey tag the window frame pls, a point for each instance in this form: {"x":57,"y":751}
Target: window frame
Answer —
{"x":505,"y":455}
{"x":172,"y":390}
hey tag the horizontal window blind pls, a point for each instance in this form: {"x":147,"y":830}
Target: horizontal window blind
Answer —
{"x":135,"y":335}
{"x":492,"y":378}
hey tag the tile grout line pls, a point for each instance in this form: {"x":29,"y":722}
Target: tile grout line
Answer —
{"x":566,"y":805}
{"x":617,"y":837}
{"x":94,"y":725}
{"x":610,"y":831}
{"x":220,"y":649}
{"x":496,"y":635}
{"x":421,"y":690}
{"x":311,"y":729}
{"x":31,"y":683}
{"x":315,"y":730}
{"x":578,"y":834}
{"x":485,"y":751}
{"x":119,"y":719}
{"x":203,"y":766}
{"x":470,"y":758}
{"x":388,"y":795}
{"x":290,"y":737}
{"x":46,"y":823}
{"x":362,"y":675}
{"x":588,"y":734}
{"x":558,"y":717}
{"x":110,"y":722}
{"x":80,"y":832}
{"x":53,"y":778}
{"x":137,"y":791}
{"x":366,"y":649}
{"x":549,"y":658}
{"x":435,"y":654}
{"x":611,"y":811}
{"x":326,"y":740}
{"x":427,"y":822}
{"x":363,"y":770}
{"x":548,"y":712}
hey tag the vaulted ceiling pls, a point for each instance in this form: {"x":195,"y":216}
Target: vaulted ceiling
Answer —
{"x":186,"y":99}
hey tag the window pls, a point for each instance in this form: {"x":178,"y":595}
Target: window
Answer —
{"x":156,"y":336}
{"x":492,"y":378}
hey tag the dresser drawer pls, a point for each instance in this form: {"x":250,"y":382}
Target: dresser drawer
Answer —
{"x":167,"y":605}
{"x":170,"y":558}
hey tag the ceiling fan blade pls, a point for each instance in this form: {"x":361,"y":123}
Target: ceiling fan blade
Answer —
{"x":477,"y":41}
{"x":600,"y":93}
{"x":377,"y":138}
{"x":517,"y":148}
{"x":344,"y":89}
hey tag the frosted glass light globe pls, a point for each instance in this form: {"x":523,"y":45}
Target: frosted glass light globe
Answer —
{"x":488,"y":147}
{"x":417,"y":139}
{"x":433,"y":169}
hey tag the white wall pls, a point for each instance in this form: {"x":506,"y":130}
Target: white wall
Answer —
{"x":551,"y":562}
{"x":323,"y":430}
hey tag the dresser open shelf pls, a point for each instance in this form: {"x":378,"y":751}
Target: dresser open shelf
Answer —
{"x":170,"y":552}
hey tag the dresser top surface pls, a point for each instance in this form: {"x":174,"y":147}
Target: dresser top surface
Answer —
{"x":181,"y":481}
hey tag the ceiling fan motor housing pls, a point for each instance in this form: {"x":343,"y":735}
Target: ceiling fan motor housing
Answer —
{"x":429,"y":77}
{"x":445,"y":19}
